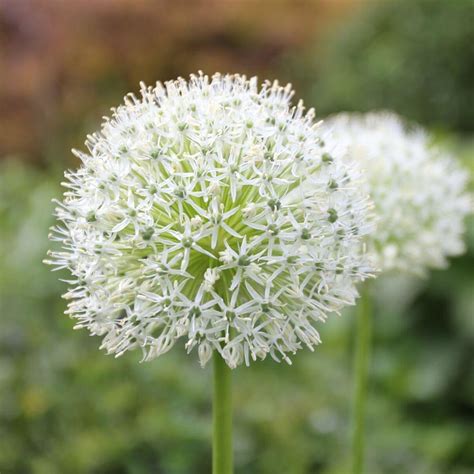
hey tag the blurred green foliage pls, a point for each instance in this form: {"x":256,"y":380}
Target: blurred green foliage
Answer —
{"x":67,"y":408}
{"x":412,"y":56}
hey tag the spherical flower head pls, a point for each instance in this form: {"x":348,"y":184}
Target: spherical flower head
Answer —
{"x":419,"y":193}
{"x":210,"y":210}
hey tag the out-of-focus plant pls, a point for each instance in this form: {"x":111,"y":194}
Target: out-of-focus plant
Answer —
{"x":411,"y":56}
{"x":418,"y":189}
{"x":421,"y":203}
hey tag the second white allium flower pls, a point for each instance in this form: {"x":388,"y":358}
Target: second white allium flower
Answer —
{"x":419,"y":193}
{"x":210,"y":210}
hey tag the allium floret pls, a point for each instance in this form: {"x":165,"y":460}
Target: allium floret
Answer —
{"x":211,"y":210}
{"x":419,"y":192}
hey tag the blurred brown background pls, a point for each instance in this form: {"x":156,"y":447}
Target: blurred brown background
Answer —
{"x":65,"y":62}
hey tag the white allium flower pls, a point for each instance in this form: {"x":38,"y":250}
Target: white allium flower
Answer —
{"x":419,"y":193}
{"x":210,"y":210}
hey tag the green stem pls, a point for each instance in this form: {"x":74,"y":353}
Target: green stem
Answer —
{"x":362,"y":358}
{"x":222,"y":412}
